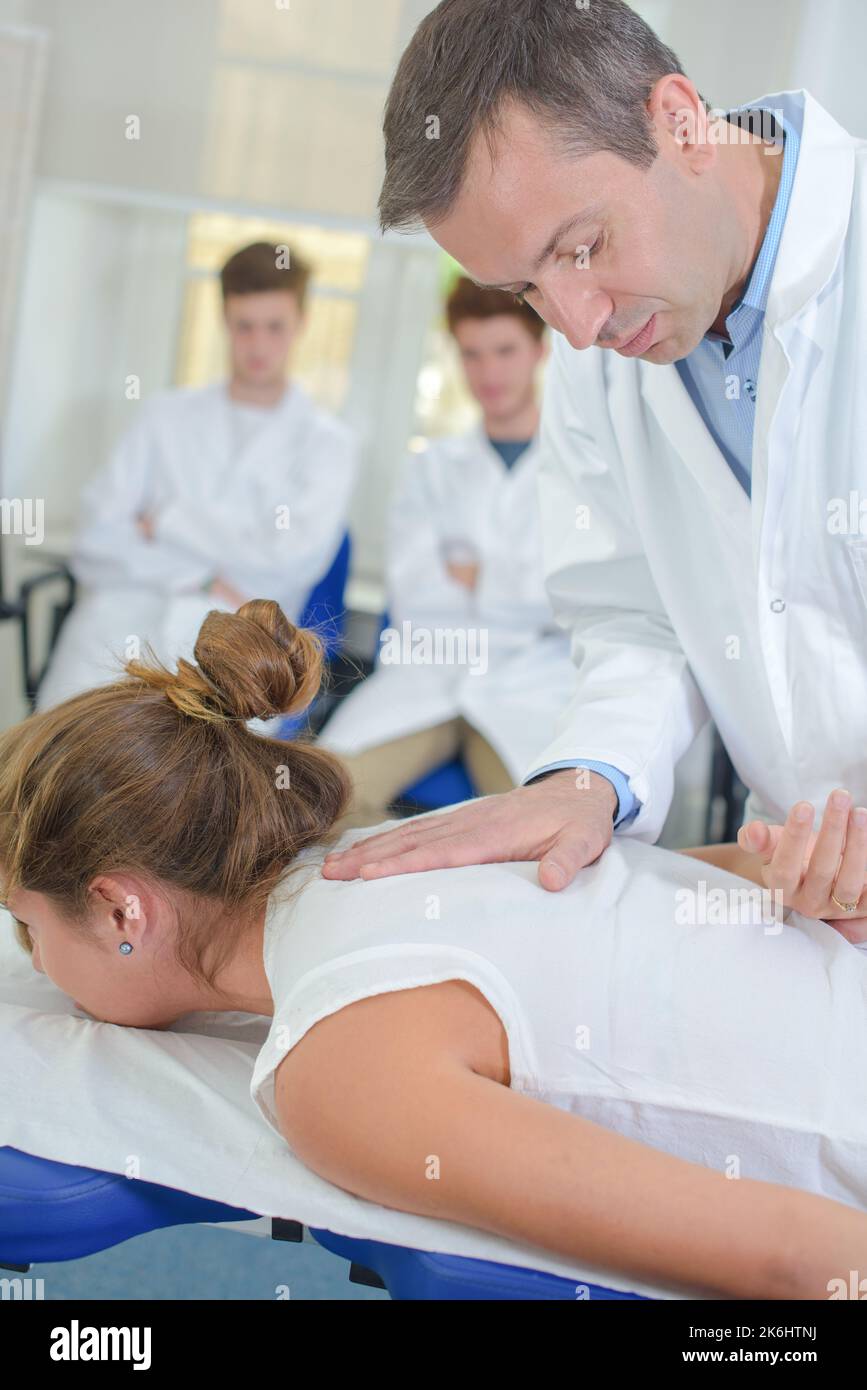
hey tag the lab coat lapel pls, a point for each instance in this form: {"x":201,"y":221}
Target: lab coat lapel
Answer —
{"x":810,"y":246}
{"x":819,"y":208}
{"x":511,"y":492}
{"x":215,"y":436}
{"x":509,"y":479}
{"x":480,"y":446}
{"x":269,"y":447}
{"x":686,"y":432}
{"x":273,"y":451}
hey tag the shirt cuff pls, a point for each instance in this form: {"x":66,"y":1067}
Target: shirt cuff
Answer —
{"x":628,"y":805}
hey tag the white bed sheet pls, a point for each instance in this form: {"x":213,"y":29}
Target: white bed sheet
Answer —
{"x":174,"y":1108}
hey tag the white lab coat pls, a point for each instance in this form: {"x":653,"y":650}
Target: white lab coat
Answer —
{"x":214,"y":513}
{"x":459,"y":490}
{"x":682,"y":596}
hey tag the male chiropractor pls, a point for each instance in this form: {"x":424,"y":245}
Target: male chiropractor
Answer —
{"x":703,"y":433}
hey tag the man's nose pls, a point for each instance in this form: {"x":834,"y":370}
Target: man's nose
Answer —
{"x":580,"y":316}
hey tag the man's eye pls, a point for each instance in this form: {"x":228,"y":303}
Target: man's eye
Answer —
{"x":584,"y":253}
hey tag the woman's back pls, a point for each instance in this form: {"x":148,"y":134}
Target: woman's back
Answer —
{"x":741,"y":1046}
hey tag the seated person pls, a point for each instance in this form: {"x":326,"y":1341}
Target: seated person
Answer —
{"x":464,"y":565}
{"x":590,"y":1071}
{"x":215,"y":494}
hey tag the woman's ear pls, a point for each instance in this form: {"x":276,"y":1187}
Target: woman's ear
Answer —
{"x":120,"y":901}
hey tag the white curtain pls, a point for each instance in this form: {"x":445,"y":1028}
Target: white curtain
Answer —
{"x":22,"y":67}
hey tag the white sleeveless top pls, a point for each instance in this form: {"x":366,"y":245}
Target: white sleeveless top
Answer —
{"x":742,"y":1047}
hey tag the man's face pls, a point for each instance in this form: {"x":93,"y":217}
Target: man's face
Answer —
{"x":499,"y":357}
{"x":262,"y":328}
{"x":627,"y":251}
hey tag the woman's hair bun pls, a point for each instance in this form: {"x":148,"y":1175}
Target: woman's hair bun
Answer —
{"x":253,"y":664}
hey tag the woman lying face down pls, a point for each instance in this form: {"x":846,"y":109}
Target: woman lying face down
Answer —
{"x":143,"y":827}
{"x":143,"y":831}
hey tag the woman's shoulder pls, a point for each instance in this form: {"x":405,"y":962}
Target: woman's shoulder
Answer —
{"x":366,"y":1042}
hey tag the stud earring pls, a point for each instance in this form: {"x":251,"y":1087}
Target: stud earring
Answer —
{"x":125,"y":947}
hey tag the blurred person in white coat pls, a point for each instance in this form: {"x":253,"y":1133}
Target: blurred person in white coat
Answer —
{"x":472,"y":662}
{"x":217,"y":494}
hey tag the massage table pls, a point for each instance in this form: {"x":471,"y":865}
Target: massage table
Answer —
{"x":55,"y":1211}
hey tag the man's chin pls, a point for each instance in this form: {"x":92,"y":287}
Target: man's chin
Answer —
{"x":668,"y":350}
{"x":662,"y":353}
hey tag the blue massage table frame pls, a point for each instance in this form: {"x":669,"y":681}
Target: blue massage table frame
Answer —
{"x":52,"y":1211}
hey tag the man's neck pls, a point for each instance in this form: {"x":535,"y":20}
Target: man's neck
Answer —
{"x":751,"y":173}
{"x":518,"y":424}
{"x":251,"y":393}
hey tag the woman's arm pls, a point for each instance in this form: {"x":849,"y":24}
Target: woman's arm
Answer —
{"x":394,"y":1098}
{"x":730,"y":857}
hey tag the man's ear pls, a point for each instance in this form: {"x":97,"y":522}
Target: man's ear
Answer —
{"x":680,"y":120}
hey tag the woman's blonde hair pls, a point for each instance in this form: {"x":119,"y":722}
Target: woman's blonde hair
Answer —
{"x":157,"y":775}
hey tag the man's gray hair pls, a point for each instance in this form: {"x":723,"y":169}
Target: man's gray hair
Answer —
{"x":585,"y":71}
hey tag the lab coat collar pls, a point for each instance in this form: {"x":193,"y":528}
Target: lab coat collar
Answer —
{"x":819,"y":207}
{"x":478,"y":440}
{"x":811,"y":245}
{"x":812,"y":239}
{"x":293,"y":402}
{"x":261,"y":449}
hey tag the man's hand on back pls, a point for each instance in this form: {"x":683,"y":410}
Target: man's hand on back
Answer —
{"x":564,"y":821}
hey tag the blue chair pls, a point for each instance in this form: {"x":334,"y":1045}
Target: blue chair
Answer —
{"x":58,"y":1211}
{"x":325,"y":609}
{"x":444,"y":785}
{"x":325,"y":613}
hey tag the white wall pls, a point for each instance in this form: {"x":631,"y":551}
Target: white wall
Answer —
{"x":736,"y":50}
{"x":829,"y":59}
{"x":99,"y":301}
